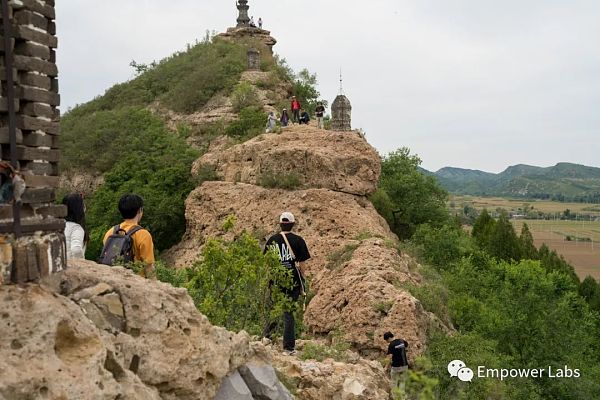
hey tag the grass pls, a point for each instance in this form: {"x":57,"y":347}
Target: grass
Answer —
{"x":287,"y":181}
{"x":319,"y":352}
{"x":545,"y":206}
{"x":383,"y":307}
{"x":340,"y":257}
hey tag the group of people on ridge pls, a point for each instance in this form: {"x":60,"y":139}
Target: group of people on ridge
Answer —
{"x":129,"y":242}
{"x":299,"y":116}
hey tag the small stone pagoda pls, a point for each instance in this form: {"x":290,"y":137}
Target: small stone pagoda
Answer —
{"x":32,"y":243}
{"x":341,"y":114}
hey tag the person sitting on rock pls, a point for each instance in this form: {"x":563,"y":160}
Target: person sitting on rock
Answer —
{"x":399,"y":366}
{"x":131,"y":207}
{"x":271,"y":122}
{"x":304,"y":118}
{"x":252,"y":24}
{"x":293,"y":252}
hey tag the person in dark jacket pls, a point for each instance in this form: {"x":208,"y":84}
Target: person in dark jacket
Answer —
{"x":319,"y":113}
{"x":304,"y":118}
{"x":285,"y":118}
{"x":399,"y":365}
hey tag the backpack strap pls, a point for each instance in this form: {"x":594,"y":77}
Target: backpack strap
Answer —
{"x":288,"y":245}
{"x":116,"y":229}
{"x":134,"y":230}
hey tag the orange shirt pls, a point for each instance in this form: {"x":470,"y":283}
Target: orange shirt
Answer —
{"x":143,"y":247}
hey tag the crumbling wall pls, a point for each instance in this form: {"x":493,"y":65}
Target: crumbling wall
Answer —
{"x":40,"y":248}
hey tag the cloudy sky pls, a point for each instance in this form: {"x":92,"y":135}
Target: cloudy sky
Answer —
{"x":477,"y":84}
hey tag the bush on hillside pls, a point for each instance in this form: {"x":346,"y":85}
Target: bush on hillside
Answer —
{"x":251,"y":122}
{"x":244,"y":95}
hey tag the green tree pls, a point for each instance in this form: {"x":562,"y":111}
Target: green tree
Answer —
{"x":482,"y":229}
{"x":406,"y":197}
{"x":528,"y":247}
{"x":589,"y":289}
{"x":552,"y":261}
{"x":504,"y":243}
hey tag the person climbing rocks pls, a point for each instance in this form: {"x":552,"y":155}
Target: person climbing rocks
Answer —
{"x":285,"y":118}
{"x":271,"y":122}
{"x":399,"y":365}
{"x":293,"y":252}
{"x":304,"y":118}
{"x":295,"y":110}
{"x":319,"y":113}
{"x":75,"y":232}
{"x":260,"y":22}
{"x":133,"y":243}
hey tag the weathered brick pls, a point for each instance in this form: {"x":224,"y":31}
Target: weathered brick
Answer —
{"x":27,"y":123}
{"x":3,"y":74}
{"x":54,"y":85}
{"x":32,"y":50}
{"x":33,"y":64}
{"x":4,"y":104}
{"x":36,"y":139}
{"x":5,"y":138}
{"x":43,"y":263}
{"x":41,"y":181}
{"x":39,"y":81}
{"x":26,"y":33}
{"x":38,"y":110}
{"x":38,"y":95}
{"x":26,"y":17}
{"x":12,"y":43}
{"x":52,"y":58}
{"x":56,"y":211}
{"x":39,"y":168}
{"x":43,"y":8}
{"x":6,"y":211}
{"x":33,"y":153}
{"x":20,"y":271}
{"x":38,"y":195}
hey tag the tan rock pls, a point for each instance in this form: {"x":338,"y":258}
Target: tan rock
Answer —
{"x":327,"y":220}
{"x":342,"y":162}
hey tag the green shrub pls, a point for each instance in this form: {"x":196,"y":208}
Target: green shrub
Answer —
{"x":244,"y":95}
{"x":383,"y":307}
{"x":251,"y":122}
{"x":339,"y":257}
{"x":287,"y":181}
{"x":337,"y":350}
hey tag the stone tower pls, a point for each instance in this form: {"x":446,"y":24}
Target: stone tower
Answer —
{"x":253,"y":59}
{"x":341,"y":113}
{"x":32,"y":243}
{"x":243,"y":19}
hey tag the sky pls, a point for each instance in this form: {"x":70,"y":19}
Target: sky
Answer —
{"x":476,"y":84}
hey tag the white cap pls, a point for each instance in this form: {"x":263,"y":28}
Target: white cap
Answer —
{"x":287,"y":216}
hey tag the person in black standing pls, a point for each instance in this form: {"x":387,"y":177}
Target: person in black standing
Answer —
{"x":399,"y":367}
{"x":292,"y":251}
{"x":319,"y":112}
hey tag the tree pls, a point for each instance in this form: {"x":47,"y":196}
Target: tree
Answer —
{"x":406,"y":197}
{"x":589,"y":289}
{"x":482,"y":229}
{"x":504,"y":243}
{"x":529,"y":250}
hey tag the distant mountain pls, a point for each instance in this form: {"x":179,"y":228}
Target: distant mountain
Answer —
{"x":564,"y":181}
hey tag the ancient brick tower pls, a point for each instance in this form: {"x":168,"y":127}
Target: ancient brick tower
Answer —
{"x":341,"y":114}
{"x":32,"y":243}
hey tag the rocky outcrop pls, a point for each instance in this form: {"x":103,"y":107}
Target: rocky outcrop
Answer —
{"x":342,"y":162}
{"x":327,"y":220}
{"x":247,"y":34}
{"x":103,"y":333}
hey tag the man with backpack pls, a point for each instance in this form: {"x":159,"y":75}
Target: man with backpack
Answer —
{"x":292,"y":251}
{"x":128,"y":241}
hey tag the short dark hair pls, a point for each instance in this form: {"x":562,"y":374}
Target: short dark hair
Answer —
{"x":286,"y":226}
{"x":129,"y":205}
{"x":388,"y":335}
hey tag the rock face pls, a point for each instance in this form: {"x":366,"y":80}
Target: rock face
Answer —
{"x":326,"y":219}
{"x":103,"y":333}
{"x":342,"y":162}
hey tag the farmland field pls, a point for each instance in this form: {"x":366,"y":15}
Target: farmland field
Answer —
{"x":577,"y":241}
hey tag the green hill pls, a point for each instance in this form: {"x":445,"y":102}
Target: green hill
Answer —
{"x":564,"y":181}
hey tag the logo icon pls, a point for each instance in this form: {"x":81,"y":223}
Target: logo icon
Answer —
{"x":459,"y":369}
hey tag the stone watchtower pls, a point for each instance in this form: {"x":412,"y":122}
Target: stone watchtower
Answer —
{"x":253,"y":59}
{"x":32,"y":243}
{"x":341,"y":113}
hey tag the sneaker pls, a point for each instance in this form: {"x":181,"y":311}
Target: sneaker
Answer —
{"x":290,"y":352}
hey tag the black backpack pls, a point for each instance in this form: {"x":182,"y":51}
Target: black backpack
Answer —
{"x":118,"y":246}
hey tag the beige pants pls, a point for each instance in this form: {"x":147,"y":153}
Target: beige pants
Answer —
{"x":398,"y":378}
{"x":320,"y":122}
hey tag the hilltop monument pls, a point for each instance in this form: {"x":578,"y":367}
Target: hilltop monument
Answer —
{"x":341,"y":111}
{"x":243,"y":19}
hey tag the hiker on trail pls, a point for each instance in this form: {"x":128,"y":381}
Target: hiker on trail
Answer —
{"x":319,"y":112}
{"x":304,"y":118}
{"x":260,"y":22}
{"x":285,"y":118}
{"x":399,"y":366}
{"x":271,"y":122}
{"x":128,"y":241}
{"x":75,"y":233}
{"x":292,"y":252}
{"x":295,"y":110}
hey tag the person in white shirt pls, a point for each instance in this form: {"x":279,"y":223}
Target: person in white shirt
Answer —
{"x":75,"y":232}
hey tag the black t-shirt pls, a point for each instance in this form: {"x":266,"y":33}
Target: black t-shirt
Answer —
{"x":397,"y":349}
{"x":319,"y":111}
{"x":285,"y":255}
